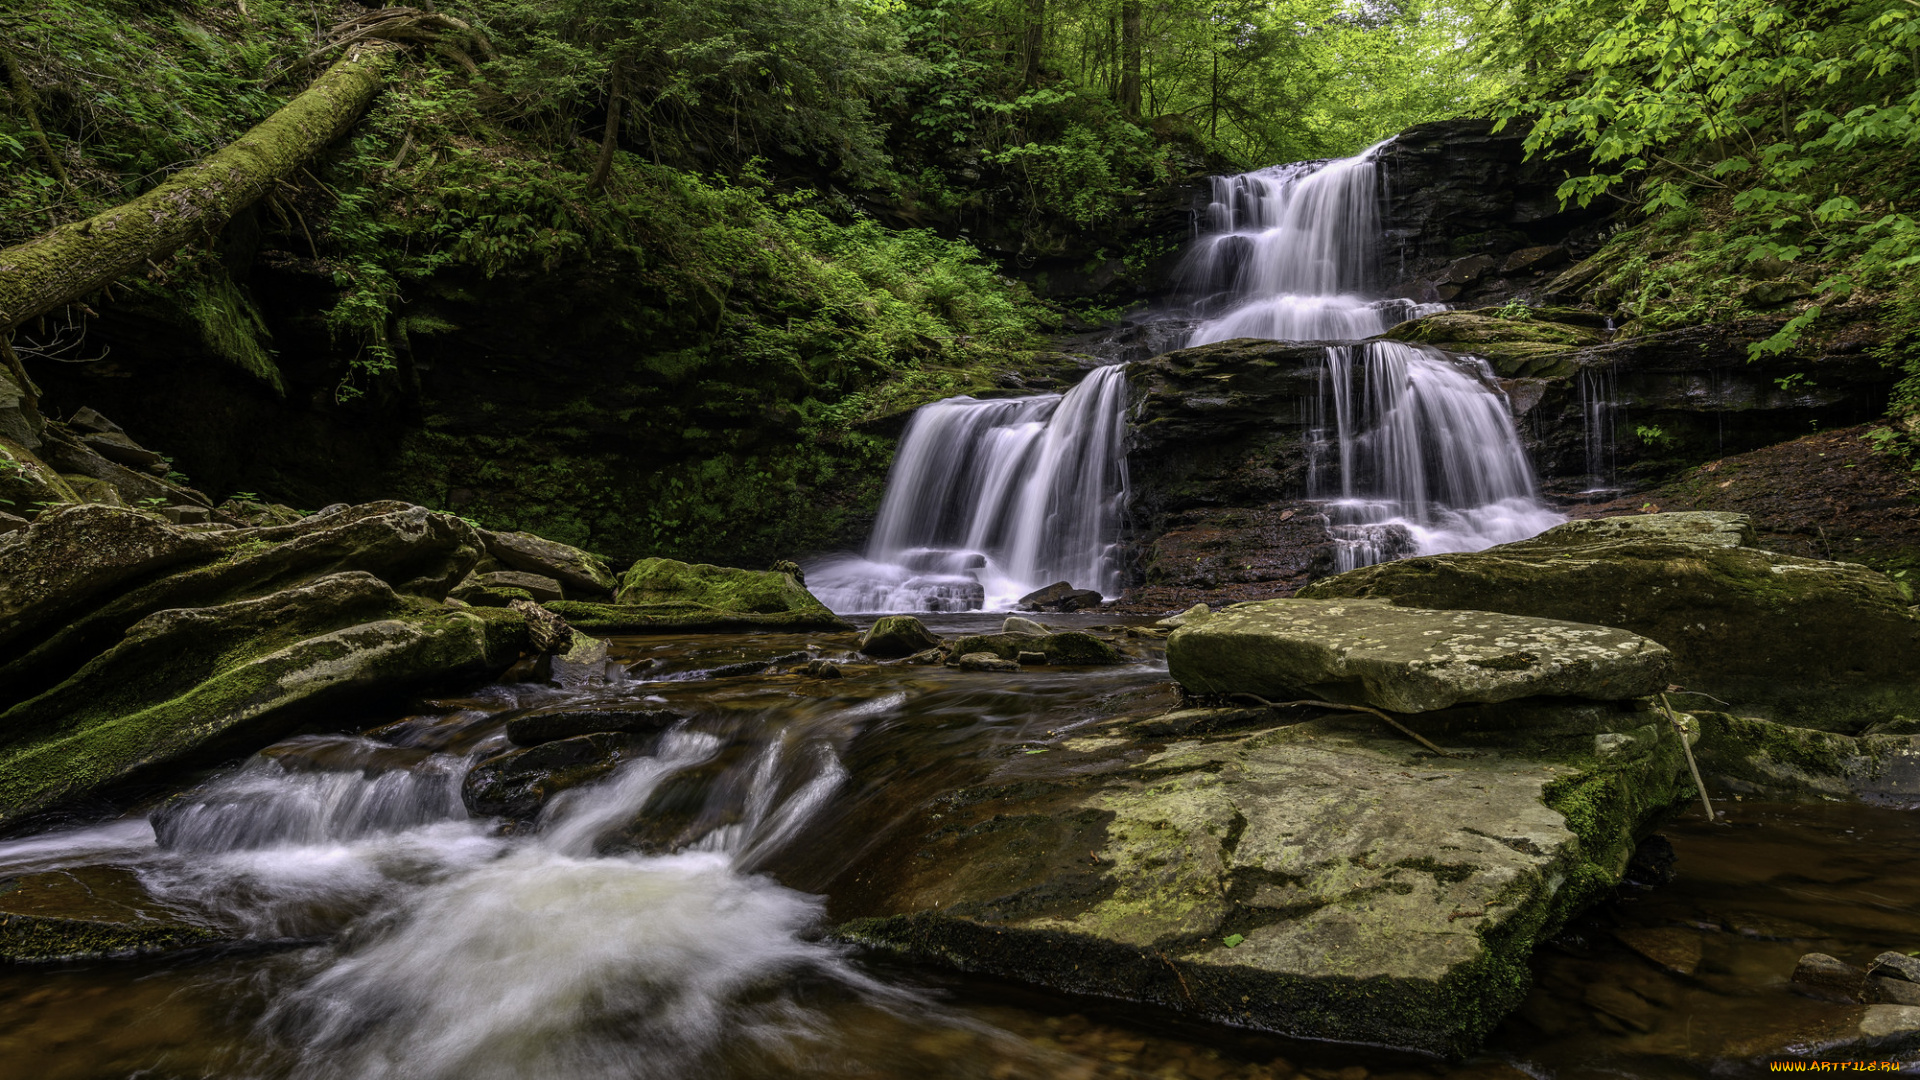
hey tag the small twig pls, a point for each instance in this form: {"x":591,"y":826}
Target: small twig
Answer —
{"x":1688,"y":750}
{"x":1402,"y":728}
{"x":1176,"y":974}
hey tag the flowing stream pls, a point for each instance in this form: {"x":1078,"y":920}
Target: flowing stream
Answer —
{"x":668,"y":920}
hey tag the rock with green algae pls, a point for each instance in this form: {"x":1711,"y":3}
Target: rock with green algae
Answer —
{"x":64,"y":616}
{"x":1403,"y":659}
{"x":1327,"y":880}
{"x":584,"y":575}
{"x":28,"y":485}
{"x":195,"y":684}
{"x":1748,"y":756}
{"x":663,"y":594}
{"x":892,"y":637}
{"x":90,"y":913}
{"x":1820,"y":644}
{"x":1067,"y":647}
{"x":1517,"y":348}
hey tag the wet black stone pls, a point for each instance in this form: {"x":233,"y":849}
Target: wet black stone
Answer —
{"x":534,"y":729}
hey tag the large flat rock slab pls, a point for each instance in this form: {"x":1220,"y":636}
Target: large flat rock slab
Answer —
{"x":1409,"y":660}
{"x":1809,"y":642}
{"x":91,"y":912}
{"x":1326,"y":880}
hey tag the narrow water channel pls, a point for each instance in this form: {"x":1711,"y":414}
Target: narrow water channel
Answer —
{"x":669,"y":920}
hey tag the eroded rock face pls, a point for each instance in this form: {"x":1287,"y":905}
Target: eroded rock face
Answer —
{"x":1404,"y":659}
{"x":1819,"y":644}
{"x":585,"y":576}
{"x":1324,"y":880}
{"x":134,"y":645}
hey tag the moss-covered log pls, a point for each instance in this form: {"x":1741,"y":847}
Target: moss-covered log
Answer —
{"x":74,"y":260}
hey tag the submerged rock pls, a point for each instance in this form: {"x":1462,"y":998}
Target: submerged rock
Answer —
{"x":1823,"y":644}
{"x":544,"y":727}
{"x":1369,"y":652}
{"x":1325,"y":880}
{"x":89,"y":913}
{"x":1066,"y":647}
{"x":895,"y":636}
{"x":518,"y":783}
{"x":662,"y":594}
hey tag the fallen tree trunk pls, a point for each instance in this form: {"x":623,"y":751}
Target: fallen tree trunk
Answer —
{"x":70,"y":262}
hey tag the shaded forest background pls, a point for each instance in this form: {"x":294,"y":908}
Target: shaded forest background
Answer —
{"x":654,"y":275}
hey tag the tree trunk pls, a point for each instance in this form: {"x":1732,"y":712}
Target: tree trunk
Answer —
{"x":61,"y":266}
{"x":1130,"y":48}
{"x":610,"y":138}
{"x":23,"y":100}
{"x":1034,"y":40}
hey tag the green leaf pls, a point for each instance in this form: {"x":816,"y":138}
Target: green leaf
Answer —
{"x":1232,"y":939}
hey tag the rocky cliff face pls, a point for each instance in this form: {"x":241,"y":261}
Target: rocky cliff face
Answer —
{"x":1469,"y":219}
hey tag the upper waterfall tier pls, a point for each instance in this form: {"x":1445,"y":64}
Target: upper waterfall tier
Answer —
{"x":1287,"y":252}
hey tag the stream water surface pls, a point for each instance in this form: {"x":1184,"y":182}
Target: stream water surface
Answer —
{"x":385,"y":933}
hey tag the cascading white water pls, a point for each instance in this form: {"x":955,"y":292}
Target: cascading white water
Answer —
{"x":1415,"y":451}
{"x":989,"y":500}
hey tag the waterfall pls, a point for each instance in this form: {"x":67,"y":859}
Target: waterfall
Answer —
{"x":990,"y":500}
{"x":1413,"y":451}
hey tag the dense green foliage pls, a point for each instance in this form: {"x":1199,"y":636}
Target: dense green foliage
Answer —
{"x":729,"y":163}
{"x":1763,"y":140}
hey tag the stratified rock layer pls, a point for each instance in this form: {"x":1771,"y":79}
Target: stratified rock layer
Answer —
{"x":1370,"y":652}
{"x":134,"y":644}
{"x":1323,"y":880}
{"x":1821,"y":644}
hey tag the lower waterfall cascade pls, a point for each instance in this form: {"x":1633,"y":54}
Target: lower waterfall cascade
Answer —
{"x":990,"y":500}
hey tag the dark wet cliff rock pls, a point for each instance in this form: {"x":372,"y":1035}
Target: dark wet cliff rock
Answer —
{"x":1601,"y":411}
{"x":1468,"y":219}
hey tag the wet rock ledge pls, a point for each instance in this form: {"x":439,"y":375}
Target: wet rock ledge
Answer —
{"x":1304,"y":870}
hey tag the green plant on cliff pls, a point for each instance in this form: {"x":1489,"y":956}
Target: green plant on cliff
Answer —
{"x":1794,"y":126}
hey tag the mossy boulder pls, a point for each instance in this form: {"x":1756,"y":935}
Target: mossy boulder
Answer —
{"x":1067,"y":647}
{"x":27,"y":484}
{"x":584,"y":575}
{"x":1517,"y":348}
{"x":1757,"y":757}
{"x":1404,"y":659}
{"x":1815,"y":643}
{"x":895,"y":636}
{"x":1326,"y":880}
{"x":194,"y":684}
{"x":132,"y":646}
{"x":663,"y":594}
{"x":158,"y":567}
